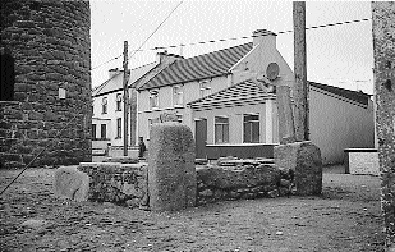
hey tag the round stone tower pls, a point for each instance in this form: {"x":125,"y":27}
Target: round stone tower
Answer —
{"x":45,"y":85}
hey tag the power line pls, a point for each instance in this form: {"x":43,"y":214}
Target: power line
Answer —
{"x":247,"y":37}
{"x":142,"y":44}
{"x":157,"y":28}
{"x":233,"y":38}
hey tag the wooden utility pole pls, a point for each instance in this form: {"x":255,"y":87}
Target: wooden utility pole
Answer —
{"x":300,"y":70}
{"x":125,"y":98}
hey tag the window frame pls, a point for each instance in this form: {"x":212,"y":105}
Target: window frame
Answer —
{"x":104,"y":106}
{"x":119,"y":128}
{"x":251,"y":138}
{"x":222,"y":139}
{"x":103,"y":136}
{"x":8,"y":75}
{"x":204,"y":89}
{"x":178,"y":97}
{"x":94,"y":130}
{"x":118,"y":102}
{"x":154,"y":93}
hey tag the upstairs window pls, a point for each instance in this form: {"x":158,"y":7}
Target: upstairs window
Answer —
{"x":251,"y":128}
{"x":204,"y":89}
{"x":118,"y":100}
{"x":178,"y":96}
{"x":179,"y":117}
{"x":154,"y":99}
{"x":104,"y":105}
{"x":7,"y":76}
{"x":221,"y":129}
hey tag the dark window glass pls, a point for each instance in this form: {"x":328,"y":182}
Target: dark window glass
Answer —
{"x":103,"y":131}
{"x":93,"y":131}
{"x":7,"y":76}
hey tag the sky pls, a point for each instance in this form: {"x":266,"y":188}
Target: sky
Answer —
{"x":340,"y":56}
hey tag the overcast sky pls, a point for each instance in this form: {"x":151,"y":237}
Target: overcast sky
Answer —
{"x":340,"y":56}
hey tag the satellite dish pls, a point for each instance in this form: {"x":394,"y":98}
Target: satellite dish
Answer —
{"x":272,"y":71}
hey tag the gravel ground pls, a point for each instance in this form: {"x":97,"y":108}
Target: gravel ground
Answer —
{"x":347,"y":218}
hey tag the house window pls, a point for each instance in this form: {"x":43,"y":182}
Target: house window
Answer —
{"x":154,"y":99}
{"x":221,"y":129}
{"x":179,"y":117}
{"x":103,"y":131}
{"x":149,"y":127}
{"x":93,"y":106}
{"x":7,"y":76}
{"x":178,"y":96}
{"x":251,"y":128}
{"x":104,"y":105}
{"x":119,"y":128}
{"x":118,"y":101}
{"x":204,"y":88}
{"x":93,"y":131}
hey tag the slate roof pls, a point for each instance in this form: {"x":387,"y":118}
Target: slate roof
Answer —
{"x":359,"y":97}
{"x":204,"y":66}
{"x":116,"y":83}
{"x":247,"y":92}
{"x":240,"y":94}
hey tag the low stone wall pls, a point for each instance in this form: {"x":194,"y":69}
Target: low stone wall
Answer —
{"x":122,"y":184}
{"x":217,"y":183}
{"x":362,"y":161}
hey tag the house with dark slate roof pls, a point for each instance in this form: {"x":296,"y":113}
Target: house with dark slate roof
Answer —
{"x":230,"y":105}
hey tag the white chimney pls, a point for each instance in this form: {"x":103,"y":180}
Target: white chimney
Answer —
{"x":115,"y":71}
{"x":265,"y":38}
{"x":163,"y":57}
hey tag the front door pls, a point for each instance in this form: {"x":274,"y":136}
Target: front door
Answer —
{"x":201,"y":138}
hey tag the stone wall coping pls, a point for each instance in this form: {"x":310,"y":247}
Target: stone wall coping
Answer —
{"x":360,"y":149}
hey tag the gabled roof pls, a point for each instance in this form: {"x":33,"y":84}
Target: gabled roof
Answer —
{"x":359,"y":97}
{"x":243,"y":93}
{"x":247,"y":92}
{"x":116,"y":82}
{"x":204,"y":66}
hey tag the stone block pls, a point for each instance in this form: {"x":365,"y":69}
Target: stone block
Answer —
{"x":305,"y":159}
{"x":71,"y":183}
{"x":172,"y":178}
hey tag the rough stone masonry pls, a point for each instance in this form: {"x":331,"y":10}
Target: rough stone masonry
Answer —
{"x":50,"y":44}
{"x":383,"y":14}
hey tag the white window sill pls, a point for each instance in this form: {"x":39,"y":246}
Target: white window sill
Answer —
{"x":244,"y":144}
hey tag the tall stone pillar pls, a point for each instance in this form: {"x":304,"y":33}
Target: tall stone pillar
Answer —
{"x":383,"y":31}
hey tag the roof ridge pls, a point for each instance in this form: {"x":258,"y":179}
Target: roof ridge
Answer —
{"x":228,"y":48}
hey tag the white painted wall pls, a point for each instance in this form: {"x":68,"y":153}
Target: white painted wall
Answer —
{"x":111,"y":116}
{"x":336,"y":125}
{"x":191,"y":93}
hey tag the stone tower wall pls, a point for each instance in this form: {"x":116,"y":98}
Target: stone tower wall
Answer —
{"x":50,"y":43}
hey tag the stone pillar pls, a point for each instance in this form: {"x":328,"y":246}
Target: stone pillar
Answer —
{"x":305,"y":159}
{"x":172,"y":178}
{"x":383,"y":31}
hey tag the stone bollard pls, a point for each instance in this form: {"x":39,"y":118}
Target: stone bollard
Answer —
{"x":71,"y":184}
{"x":172,"y":177}
{"x":305,"y":159}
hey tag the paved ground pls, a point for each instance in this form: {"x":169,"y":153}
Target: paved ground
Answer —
{"x":347,"y":218}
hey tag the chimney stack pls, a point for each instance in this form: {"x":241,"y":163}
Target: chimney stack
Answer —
{"x":163,"y":57}
{"x":114,"y":71}
{"x":265,"y":38}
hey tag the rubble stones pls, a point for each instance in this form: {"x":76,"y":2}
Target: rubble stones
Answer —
{"x":118,"y":183}
{"x":71,"y":183}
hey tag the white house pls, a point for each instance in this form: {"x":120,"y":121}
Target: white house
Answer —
{"x":232,"y":115}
